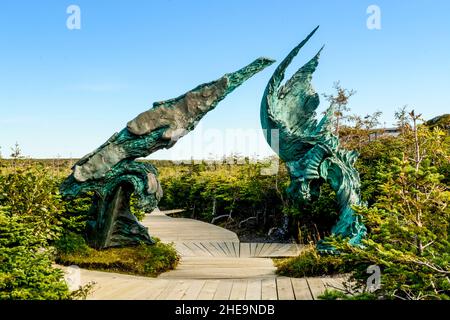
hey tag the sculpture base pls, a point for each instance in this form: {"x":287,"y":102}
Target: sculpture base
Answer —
{"x":116,"y":226}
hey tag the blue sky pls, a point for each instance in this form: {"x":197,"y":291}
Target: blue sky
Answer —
{"x":64,"y":92}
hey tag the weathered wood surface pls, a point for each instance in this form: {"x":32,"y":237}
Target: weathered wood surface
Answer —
{"x":221,"y":268}
{"x":214,"y":265}
{"x":194,"y":238}
{"x":111,"y":286}
{"x":180,"y":229}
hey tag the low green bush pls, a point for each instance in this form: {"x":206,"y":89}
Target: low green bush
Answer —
{"x":26,"y":271}
{"x":29,"y":210}
{"x":72,"y":243}
{"x":341,"y":295}
{"x":31,"y":219}
{"x":310,"y":263}
{"x":31,"y":195}
{"x":146,"y":260}
{"x":76,"y":213}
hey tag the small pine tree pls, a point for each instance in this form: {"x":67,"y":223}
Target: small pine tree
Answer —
{"x":16,"y":152}
{"x":339,"y":101}
{"x":409,"y":223}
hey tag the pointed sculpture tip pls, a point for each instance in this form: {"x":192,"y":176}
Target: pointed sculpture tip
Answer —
{"x":238,"y":77}
{"x":310,"y":34}
{"x":256,"y":66}
{"x":320,"y":51}
{"x":259,"y":64}
{"x":265,"y":61}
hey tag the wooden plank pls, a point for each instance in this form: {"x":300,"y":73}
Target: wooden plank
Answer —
{"x":196,"y":250}
{"x":227,"y":261}
{"x":267,"y":250}
{"x":184,"y":250}
{"x":120,"y":293}
{"x":284,"y":289}
{"x":237,"y":248}
{"x":221,"y":248}
{"x":238,"y":290}
{"x":253,"y":290}
{"x":208,"y":290}
{"x":164,"y":293}
{"x":110,"y":289}
{"x":216,"y":249}
{"x":253,"y":249}
{"x":226,"y":248}
{"x":220,"y":273}
{"x":209,"y":248}
{"x":263,"y":247}
{"x":150,"y":290}
{"x":244,"y":250}
{"x":293,"y":250}
{"x":257,"y":248}
{"x":179,"y":290}
{"x":168,"y":229}
{"x":260,"y":248}
{"x":229,"y":247}
{"x":194,"y":290}
{"x":202,"y":250}
{"x":274,"y":249}
{"x":284,"y":249}
{"x":223,"y":290}
{"x":316,"y":286}
{"x":269,"y":289}
{"x":301,"y":289}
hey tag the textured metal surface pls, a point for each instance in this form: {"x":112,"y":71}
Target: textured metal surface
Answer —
{"x":311,"y":152}
{"x":111,"y":173}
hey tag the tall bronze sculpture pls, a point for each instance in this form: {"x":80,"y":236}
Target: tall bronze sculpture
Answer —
{"x":309,"y":149}
{"x":113,"y":175}
{"x":311,"y":152}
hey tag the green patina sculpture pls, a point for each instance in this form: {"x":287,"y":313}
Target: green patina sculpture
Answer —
{"x":311,"y":152}
{"x":112,"y":175}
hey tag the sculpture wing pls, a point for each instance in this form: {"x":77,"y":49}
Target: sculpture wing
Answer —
{"x":290,"y":108}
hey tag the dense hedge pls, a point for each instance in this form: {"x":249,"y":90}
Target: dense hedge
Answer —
{"x":29,"y":220}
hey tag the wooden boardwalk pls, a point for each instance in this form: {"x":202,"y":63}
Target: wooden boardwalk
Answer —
{"x":111,"y":286}
{"x":213,"y":265}
{"x":236,"y":249}
{"x":180,"y":229}
{"x":194,"y":238}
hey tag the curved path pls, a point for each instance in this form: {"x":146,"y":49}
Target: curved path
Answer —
{"x":213,"y":265}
